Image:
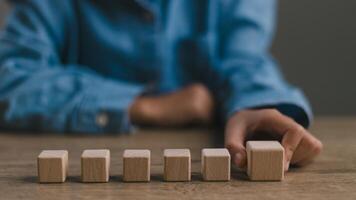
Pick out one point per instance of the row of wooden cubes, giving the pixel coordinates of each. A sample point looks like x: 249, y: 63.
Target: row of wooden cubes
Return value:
x: 95, y: 164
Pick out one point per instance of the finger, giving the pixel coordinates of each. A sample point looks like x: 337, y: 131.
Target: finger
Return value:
x: 291, y: 132
x: 301, y: 153
x: 234, y: 141
x: 290, y: 143
x: 307, y: 150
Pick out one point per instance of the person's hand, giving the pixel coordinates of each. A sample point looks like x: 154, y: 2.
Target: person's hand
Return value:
x: 190, y: 105
x: 300, y: 146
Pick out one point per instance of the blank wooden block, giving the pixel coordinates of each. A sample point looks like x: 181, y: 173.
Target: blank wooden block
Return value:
x: 265, y: 160
x: 136, y: 165
x: 52, y: 166
x: 95, y: 165
x: 177, y: 165
x: 216, y: 164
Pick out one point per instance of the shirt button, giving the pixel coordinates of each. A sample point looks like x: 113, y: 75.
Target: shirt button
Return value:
x: 102, y: 119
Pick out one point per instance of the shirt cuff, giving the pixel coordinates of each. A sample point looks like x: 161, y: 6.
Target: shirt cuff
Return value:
x: 290, y: 102
x: 104, y: 113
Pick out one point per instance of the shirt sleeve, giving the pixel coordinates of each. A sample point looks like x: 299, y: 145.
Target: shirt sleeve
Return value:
x: 247, y: 75
x: 40, y: 93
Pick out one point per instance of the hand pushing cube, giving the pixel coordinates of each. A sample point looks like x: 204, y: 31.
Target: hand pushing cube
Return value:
x: 177, y: 165
x: 52, y: 166
x: 95, y: 165
x: 136, y: 165
x: 216, y: 164
x: 265, y: 160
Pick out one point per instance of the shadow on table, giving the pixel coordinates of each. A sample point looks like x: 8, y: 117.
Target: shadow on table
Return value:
x: 157, y: 178
x: 30, y: 179
x: 34, y: 179
x: 236, y: 174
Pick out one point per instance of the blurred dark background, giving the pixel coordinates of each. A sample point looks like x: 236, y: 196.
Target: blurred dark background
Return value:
x: 316, y: 47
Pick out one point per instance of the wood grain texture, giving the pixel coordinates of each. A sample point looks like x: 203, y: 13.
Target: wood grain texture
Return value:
x: 265, y: 160
x: 136, y: 165
x: 52, y: 166
x: 95, y: 165
x: 331, y: 176
x: 215, y: 164
x: 177, y: 165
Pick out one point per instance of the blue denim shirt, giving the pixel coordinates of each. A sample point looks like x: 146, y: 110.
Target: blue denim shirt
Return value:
x: 77, y: 65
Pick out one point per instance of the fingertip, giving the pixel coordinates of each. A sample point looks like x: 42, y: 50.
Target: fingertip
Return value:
x: 288, y: 154
x: 286, y: 166
x: 240, y: 160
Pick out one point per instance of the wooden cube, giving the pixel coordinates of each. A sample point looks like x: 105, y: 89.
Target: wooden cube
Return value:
x: 95, y: 165
x: 52, y: 166
x: 136, y: 165
x: 265, y: 160
x: 216, y: 164
x: 177, y: 165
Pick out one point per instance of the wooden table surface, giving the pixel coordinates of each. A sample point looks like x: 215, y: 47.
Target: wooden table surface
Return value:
x: 331, y: 176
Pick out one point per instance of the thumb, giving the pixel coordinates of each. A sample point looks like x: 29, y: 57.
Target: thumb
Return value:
x: 235, y: 141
